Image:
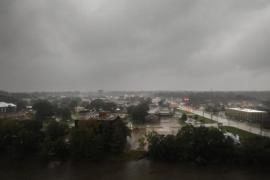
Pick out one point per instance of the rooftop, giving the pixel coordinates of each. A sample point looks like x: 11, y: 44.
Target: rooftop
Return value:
x: 247, y: 110
x: 3, y: 105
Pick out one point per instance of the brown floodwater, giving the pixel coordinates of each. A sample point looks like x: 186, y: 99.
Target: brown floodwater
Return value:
x: 111, y: 170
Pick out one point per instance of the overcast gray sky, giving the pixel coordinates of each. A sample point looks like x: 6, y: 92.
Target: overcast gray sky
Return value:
x: 134, y: 45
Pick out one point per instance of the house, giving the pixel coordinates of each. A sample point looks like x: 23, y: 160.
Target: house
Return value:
x: 103, y: 118
x: 165, y: 111
x: 7, y: 107
x: 152, y: 118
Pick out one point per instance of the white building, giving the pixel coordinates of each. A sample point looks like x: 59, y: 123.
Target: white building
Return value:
x: 246, y: 114
x: 7, y: 107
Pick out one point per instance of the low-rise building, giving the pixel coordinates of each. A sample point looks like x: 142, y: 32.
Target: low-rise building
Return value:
x: 7, y: 107
x: 245, y: 114
x: 165, y: 111
x: 152, y: 118
x: 101, y: 117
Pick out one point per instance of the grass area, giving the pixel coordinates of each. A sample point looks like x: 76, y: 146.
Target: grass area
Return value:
x: 201, y: 119
x: 182, y: 111
x: 241, y: 133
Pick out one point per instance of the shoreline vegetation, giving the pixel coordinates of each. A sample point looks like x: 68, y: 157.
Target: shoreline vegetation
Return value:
x: 96, y: 141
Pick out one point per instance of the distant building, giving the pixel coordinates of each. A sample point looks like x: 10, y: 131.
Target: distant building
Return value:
x: 29, y: 108
x: 152, y: 118
x: 102, y: 117
x: 153, y: 110
x: 165, y: 111
x: 80, y: 109
x: 7, y: 107
x: 245, y: 114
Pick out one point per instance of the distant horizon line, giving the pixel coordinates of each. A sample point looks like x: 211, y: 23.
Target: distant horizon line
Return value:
x: 95, y: 91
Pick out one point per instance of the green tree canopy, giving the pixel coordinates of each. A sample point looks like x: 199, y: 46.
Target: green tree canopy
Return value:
x: 99, y: 104
x: 44, y: 109
x: 54, y: 144
x: 139, y: 112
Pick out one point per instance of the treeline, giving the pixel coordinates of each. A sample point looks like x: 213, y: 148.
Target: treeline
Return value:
x: 205, y: 146
x: 55, y: 140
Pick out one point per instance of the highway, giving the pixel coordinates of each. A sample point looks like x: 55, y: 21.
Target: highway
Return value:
x: 255, y: 129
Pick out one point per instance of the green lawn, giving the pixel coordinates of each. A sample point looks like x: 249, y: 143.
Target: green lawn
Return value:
x: 200, y: 118
x: 242, y: 134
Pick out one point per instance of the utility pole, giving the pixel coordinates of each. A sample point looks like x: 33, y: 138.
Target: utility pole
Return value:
x: 261, y: 126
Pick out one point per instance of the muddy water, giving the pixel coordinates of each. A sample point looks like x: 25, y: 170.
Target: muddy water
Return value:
x: 166, y: 126
x: 142, y: 170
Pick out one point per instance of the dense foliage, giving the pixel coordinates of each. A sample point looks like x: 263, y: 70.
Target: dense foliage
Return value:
x: 139, y: 112
x: 19, y: 139
x: 184, y: 117
x: 55, y: 140
x: 54, y: 143
x: 44, y: 109
x: 207, y: 146
x: 97, y: 139
x: 99, y: 104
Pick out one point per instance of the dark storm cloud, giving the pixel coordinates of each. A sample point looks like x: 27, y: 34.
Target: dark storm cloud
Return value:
x: 124, y: 44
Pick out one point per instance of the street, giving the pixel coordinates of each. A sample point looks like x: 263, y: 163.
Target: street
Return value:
x: 253, y: 128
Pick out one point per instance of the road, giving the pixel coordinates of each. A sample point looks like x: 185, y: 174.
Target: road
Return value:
x: 255, y: 129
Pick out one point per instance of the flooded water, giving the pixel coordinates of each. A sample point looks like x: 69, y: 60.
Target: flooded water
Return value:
x: 142, y: 170
x: 167, y: 125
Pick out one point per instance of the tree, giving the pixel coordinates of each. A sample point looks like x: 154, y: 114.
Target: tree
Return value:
x: 184, y: 117
x: 99, y: 104
x: 162, y: 147
x: 204, y: 145
x: 96, y: 139
x: 54, y: 144
x: 139, y: 112
x: 70, y: 102
x: 199, y: 145
x: 118, y: 136
x: 20, y: 139
x: 87, y: 142
x: 63, y: 113
x: 256, y: 150
x: 44, y: 109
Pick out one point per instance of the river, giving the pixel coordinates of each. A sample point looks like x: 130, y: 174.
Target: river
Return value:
x: 122, y: 170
